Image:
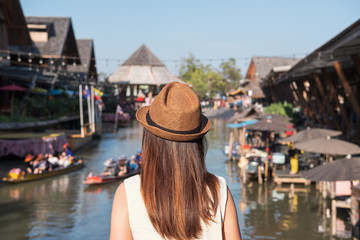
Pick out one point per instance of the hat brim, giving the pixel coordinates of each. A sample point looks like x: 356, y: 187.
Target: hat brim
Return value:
x: 205, y: 127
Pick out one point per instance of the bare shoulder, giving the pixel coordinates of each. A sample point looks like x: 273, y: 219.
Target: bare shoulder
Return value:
x: 120, y: 225
x: 231, y: 228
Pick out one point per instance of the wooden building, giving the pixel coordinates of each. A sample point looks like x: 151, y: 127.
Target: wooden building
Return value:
x: 258, y: 70
x: 42, y: 52
x: 326, y: 83
x: 87, y: 68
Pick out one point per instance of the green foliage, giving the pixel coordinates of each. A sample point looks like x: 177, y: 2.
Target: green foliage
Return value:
x: 4, y: 119
x: 231, y: 74
x: 284, y: 109
x: 207, y: 81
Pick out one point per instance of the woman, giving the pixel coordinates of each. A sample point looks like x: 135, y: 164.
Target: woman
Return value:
x: 174, y: 197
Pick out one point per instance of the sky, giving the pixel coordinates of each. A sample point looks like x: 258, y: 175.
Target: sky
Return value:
x: 212, y: 31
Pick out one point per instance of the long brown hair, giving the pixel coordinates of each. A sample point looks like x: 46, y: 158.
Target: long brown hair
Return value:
x: 177, y: 189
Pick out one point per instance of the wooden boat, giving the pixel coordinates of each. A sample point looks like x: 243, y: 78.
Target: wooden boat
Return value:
x: 96, y: 180
x: 33, y: 177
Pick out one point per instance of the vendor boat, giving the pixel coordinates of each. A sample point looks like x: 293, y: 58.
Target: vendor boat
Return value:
x: 102, y: 179
x: 32, y: 177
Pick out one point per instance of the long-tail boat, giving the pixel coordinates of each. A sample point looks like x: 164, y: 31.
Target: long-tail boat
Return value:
x: 58, y: 171
x: 100, y: 179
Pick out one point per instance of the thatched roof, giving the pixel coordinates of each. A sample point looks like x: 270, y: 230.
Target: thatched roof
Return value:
x: 143, y: 68
x: 143, y: 56
x: 254, y: 87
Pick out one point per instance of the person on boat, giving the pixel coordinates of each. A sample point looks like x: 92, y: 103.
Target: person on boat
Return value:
x: 175, y: 197
x: 53, y: 160
x: 139, y: 157
x: 63, y: 160
x: 120, y: 169
x: 132, y: 164
x: 29, y: 159
x: 109, y: 167
x: 39, y: 164
x: 68, y: 150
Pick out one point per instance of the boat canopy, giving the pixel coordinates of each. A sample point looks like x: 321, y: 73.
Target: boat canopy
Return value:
x: 21, y: 144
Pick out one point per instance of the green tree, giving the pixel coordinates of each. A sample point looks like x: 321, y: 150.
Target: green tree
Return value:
x: 205, y: 80
x: 231, y: 74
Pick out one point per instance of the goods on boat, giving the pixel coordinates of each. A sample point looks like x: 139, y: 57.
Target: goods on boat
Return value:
x: 31, y: 177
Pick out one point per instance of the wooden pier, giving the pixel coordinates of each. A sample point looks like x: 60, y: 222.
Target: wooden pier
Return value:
x: 283, y: 176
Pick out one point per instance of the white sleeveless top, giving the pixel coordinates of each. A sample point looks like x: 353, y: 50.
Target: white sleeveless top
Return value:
x: 140, y: 223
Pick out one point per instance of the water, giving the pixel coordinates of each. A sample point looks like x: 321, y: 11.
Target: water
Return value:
x: 63, y: 208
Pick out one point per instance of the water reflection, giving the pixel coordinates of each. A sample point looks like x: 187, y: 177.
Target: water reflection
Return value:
x: 63, y: 208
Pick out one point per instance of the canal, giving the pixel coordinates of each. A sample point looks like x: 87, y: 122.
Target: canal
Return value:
x: 63, y: 208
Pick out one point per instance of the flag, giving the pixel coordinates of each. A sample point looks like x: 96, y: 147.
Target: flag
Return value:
x: 98, y: 92
x: 86, y: 93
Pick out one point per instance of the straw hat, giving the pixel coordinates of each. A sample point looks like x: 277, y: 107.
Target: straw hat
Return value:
x: 175, y: 114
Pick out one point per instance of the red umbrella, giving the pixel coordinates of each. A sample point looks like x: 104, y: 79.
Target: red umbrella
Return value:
x: 12, y: 88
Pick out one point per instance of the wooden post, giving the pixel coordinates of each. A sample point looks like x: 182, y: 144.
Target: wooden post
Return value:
x: 231, y: 143
x: 89, y: 108
x: 244, y: 176
x: 324, y: 190
x: 334, y: 96
x: 325, y: 101
x: 333, y: 217
x: 296, y: 97
x: 320, y: 105
x: 260, y: 180
x: 292, y: 190
x: 267, y: 159
x: 116, y: 119
x: 92, y: 110
x: 347, y: 88
x: 81, y: 111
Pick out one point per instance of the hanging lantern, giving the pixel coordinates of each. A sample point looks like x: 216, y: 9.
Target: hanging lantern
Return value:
x: 40, y: 61
x: 51, y: 61
x: 19, y: 58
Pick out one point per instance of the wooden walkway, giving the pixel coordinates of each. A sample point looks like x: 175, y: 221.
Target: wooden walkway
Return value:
x: 283, y: 176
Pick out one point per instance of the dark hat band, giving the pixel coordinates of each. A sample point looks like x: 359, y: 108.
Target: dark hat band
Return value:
x: 153, y: 124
